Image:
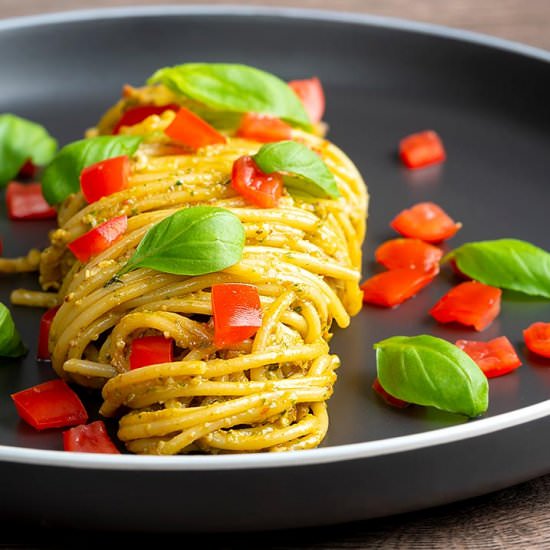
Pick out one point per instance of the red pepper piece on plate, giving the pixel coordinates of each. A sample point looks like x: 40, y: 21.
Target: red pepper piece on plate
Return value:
x: 191, y: 130
x: 237, y: 313
x: 43, y: 353
x: 150, y: 350
x: 495, y: 357
x: 135, y: 115
x: 311, y: 94
x: 469, y: 303
x: 89, y: 438
x: 51, y: 404
x: 25, y: 201
x: 408, y: 253
x: 263, y: 128
x: 421, y: 149
x: 255, y: 186
x: 537, y: 338
x: 105, y: 178
x: 390, y: 399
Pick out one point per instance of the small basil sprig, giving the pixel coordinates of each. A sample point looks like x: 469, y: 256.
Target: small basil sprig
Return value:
x: 234, y: 88
x: 193, y: 241
x: 505, y: 263
x: 62, y: 176
x: 10, y: 341
x: 304, y: 173
x: 426, y: 370
x: 21, y: 140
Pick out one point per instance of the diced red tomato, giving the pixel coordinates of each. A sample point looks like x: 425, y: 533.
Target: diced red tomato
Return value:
x: 495, y: 357
x: 28, y: 170
x: 393, y: 287
x: 43, y: 353
x: 255, y: 186
x: 421, y: 149
x: 51, y: 404
x: 150, y: 350
x: 425, y: 221
x: 390, y: 399
x: 89, y: 438
x: 135, y: 115
x: 105, y: 178
x: 191, y: 130
x: 311, y: 93
x: 537, y: 338
x: 26, y: 202
x: 263, y: 128
x: 408, y: 253
x: 237, y: 313
x: 469, y: 303
x: 99, y: 238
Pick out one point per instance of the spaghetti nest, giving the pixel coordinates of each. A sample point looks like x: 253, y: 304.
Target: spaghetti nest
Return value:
x: 267, y: 393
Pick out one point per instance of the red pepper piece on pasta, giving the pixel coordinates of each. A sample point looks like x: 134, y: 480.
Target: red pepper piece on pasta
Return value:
x: 150, y: 350
x: 99, y: 238
x: 495, y: 357
x: 135, y: 115
x: 237, y: 313
x: 425, y: 221
x: 263, y: 128
x: 421, y: 149
x: 89, y: 438
x: 255, y: 186
x: 393, y: 287
x: 43, y: 353
x: 51, y: 404
x: 105, y: 178
x: 25, y: 201
x: 311, y: 94
x: 390, y: 399
x: 469, y: 303
x: 191, y: 130
x: 537, y: 338
x: 408, y: 253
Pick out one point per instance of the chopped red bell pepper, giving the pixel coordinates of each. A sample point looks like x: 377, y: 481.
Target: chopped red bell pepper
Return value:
x: 26, y: 202
x: 393, y: 287
x: 237, y: 313
x: 390, y: 399
x: 255, y: 186
x: 150, y: 350
x: 311, y: 93
x: 495, y: 357
x: 89, y: 438
x: 421, y: 149
x: 191, y: 130
x: 408, y: 253
x: 469, y: 303
x: 43, y: 353
x: 99, y: 238
x: 537, y: 338
x: 28, y: 170
x: 425, y: 221
x: 104, y: 178
x: 263, y: 128
x: 51, y: 404
x: 135, y: 115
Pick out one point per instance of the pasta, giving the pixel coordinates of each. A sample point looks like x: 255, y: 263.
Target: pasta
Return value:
x: 266, y: 393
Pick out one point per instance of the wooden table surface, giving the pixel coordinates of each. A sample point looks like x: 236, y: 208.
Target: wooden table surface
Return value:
x: 517, y: 517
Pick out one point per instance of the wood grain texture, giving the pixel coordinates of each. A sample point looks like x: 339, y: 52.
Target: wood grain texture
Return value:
x: 518, y: 517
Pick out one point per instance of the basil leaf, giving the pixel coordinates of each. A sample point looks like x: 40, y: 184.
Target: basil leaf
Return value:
x: 430, y: 371
x: 506, y: 263
x: 21, y: 140
x: 62, y: 176
x: 234, y: 88
x: 193, y: 241
x: 10, y: 341
x: 305, y: 174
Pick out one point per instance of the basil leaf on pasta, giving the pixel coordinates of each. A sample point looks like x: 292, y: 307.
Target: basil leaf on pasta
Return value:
x: 305, y: 174
x: 506, y: 263
x: 426, y: 370
x: 10, y: 341
x: 61, y: 176
x: 193, y: 241
x: 21, y: 140
x: 234, y: 88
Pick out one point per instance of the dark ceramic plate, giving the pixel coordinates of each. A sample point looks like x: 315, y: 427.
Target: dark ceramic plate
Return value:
x: 384, y: 79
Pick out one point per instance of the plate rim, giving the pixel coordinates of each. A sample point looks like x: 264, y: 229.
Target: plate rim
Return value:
x: 336, y: 453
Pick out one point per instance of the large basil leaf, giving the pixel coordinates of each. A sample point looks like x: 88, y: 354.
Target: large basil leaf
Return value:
x: 10, y: 341
x: 426, y: 370
x: 305, y: 174
x: 193, y: 241
x: 62, y: 176
x: 21, y: 140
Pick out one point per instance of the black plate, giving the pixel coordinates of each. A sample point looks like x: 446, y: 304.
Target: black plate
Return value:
x: 383, y: 79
